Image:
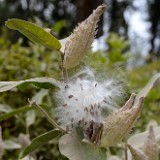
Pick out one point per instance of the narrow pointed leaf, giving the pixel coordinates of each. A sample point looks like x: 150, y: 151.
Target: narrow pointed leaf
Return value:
x: 144, y: 92
x: 42, y: 82
x: 39, y: 141
x: 14, y: 112
x: 33, y: 32
x: 73, y: 148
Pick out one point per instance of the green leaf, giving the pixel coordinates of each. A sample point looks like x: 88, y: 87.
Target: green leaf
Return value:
x: 39, y: 141
x: 39, y: 96
x: 144, y: 92
x: 138, y: 139
x: 5, y: 108
x: 73, y: 148
x: 31, y: 115
x: 10, y: 145
x: 14, y: 112
x: 33, y: 32
x: 42, y: 82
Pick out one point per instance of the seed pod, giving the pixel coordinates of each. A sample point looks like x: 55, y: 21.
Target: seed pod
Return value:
x: 137, y: 154
x: 79, y: 42
x: 118, y: 124
x: 150, y: 147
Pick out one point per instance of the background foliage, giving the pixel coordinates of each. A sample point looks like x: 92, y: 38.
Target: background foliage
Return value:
x: 35, y: 61
x: 22, y: 60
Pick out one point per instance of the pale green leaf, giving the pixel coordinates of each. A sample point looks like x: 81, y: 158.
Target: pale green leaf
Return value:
x: 30, y: 117
x: 33, y: 32
x: 10, y: 144
x: 114, y: 158
x: 63, y: 43
x: 39, y: 96
x: 43, y: 82
x: 39, y: 141
x: 138, y: 139
x: 144, y: 92
x: 14, y: 112
x: 28, y: 158
x: 73, y: 148
x: 5, y: 108
x: 1, y: 145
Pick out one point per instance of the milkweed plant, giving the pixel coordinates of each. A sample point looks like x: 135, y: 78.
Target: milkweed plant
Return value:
x: 88, y: 116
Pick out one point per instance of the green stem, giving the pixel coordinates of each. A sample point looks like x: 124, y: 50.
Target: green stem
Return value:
x: 48, y: 117
x: 125, y: 149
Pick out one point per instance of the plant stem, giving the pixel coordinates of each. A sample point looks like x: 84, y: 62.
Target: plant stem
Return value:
x: 65, y: 75
x: 64, y: 70
x: 48, y: 117
x: 125, y: 149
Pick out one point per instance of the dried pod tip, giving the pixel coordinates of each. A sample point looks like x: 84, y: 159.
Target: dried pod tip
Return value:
x: 79, y: 42
x: 118, y: 124
x: 150, y: 147
x: 136, y: 153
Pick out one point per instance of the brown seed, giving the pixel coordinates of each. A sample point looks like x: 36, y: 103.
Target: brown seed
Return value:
x: 72, y: 119
x: 92, y: 107
x: 81, y: 87
x: 86, y: 109
x: 79, y: 122
x: 70, y: 96
x: 110, y: 97
x: 65, y: 105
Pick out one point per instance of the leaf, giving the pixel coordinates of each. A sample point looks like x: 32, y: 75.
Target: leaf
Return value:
x: 1, y: 145
x: 30, y: 117
x: 138, y: 140
x: 28, y: 158
x: 5, y: 108
x: 10, y: 144
x: 63, y: 43
x: 74, y: 149
x: 39, y: 141
x: 14, y: 112
x: 144, y: 92
x: 39, y: 96
x: 114, y: 158
x: 42, y: 82
x: 33, y: 32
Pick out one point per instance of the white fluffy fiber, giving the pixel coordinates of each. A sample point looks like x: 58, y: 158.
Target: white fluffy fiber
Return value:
x: 84, y: 100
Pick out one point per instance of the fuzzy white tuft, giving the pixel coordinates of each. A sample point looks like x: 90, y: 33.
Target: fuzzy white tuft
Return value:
x: 85, y: 99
